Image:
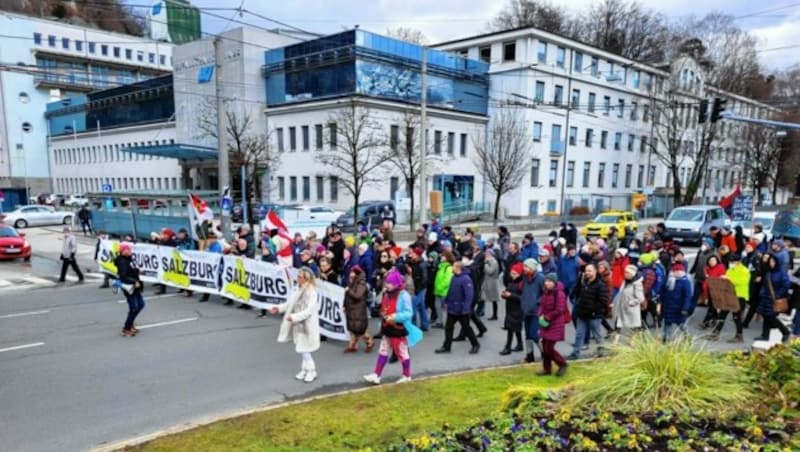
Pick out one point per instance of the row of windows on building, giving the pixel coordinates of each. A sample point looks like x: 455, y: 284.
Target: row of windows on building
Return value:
x: 633, y: 112
x: 726, y: 178
x: 95, y: 184
x: 614, y: 71
x: 92, y: 48
x: 305, y: 187
x: 589, y: 138
x: 106, y: 153
x: 441, y: 141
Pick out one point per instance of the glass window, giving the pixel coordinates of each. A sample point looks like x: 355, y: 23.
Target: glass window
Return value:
x: 537, y: 131
x: 451, y: 143
x: 91, y: 47
x: 79, y: 45
x: 292, y: 139
x: 561, y: 56
x: 65, y: 43
x: 628, y: 175
x: 555, y: 137
x: 320, y: 181
x: 587, y: 169
x: 573, y: 136
x: 333, y: 135
x: 541, y: 55
x: 281, y: 188
x: 535, y: 173
x: 539, y: 96
x: 486, y: 54
x: 279, y: 138
x: 51, y: 40
x: 615, y: 175
x: 37, y: 38
x: 601, y: 175
x: 320, y: 139
x: 306, y: 188
x: 104, y: 49
x: 595, y: 66
x: 634, y: 111
x: 592, y: 97
x: 151, y: 58
x: 578, y: 64
x: 394, y: 137
x: 394, y: 186
x: 334, y: 188
x: 162, y: 59
x: 570, y: 173
x: 558, y: 95
x: 128, y: 54
x: 617, y: 141
x: 552, y: 177
x: 606, y: 105
x: 116, y: 52
x: 293, y: 188
x: 631, y: 142
x: 645, y: 113
x: 651, y: 178
x: 463, y: 145
x: 410, y: 139
x: 139, y: 56
x: 621, y: 108
x: 640, y: 176
x: 636, y: 77
x: 551, y: 205
x: 509, y: 51
x: 437, y: 142
x: 643, y: 143
x: 576, y: 98
x: 304, y: 131
x: 589, y: 137
x: 603, y: 139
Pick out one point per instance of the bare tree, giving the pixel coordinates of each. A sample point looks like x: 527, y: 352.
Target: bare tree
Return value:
x: 405, y: 155
x: 408, y: 34
x: 762, y: 157
x: 247, y: 147
x: 502, y: 156
x: 531, y: 13
x: 356, y: 149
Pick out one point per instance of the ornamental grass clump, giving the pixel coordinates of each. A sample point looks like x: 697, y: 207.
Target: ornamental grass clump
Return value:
x: 648, y: 375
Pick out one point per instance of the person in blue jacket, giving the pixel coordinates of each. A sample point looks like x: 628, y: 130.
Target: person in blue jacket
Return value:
x: 532, y: 288
x: 776, y: 285
x: 458, y: 305
x: 530, y: 249
x: 676, y: 301
x: 568, y: 267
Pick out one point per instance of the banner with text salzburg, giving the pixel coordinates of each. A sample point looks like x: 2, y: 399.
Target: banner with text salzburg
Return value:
x: 259, y: 284
x: 145, y: 257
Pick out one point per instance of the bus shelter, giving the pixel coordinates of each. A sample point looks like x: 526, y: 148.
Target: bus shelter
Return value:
x: 141, y: 212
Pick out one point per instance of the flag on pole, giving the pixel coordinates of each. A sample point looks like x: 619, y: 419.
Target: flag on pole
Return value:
x: 199, y: 213
x: 727, y: 202
x: 282, y: 240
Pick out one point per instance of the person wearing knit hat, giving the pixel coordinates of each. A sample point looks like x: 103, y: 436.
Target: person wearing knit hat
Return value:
x: 131, y: 285
x: 676, y: 301
x: 532, y: 287
x: 514, y: 317
x: 551, y: 277
x: 552, y: 313
x: 396, y: 313
x: 530, y: 263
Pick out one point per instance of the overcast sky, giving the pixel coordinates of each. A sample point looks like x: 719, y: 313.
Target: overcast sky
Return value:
x: 775, y: 22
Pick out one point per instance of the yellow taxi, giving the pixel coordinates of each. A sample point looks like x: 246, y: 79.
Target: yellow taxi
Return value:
x: 621, y: 220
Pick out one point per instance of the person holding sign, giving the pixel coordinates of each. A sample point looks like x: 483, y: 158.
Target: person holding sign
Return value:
x: 301, y: 323
x: 128, y: 275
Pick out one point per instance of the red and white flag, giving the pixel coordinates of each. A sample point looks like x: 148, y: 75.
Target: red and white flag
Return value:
x: 198, y: 212
x: 283, y: 240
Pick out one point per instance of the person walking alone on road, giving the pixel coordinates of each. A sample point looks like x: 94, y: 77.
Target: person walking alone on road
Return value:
x: 301, y: 323
x: 128, y: 275
x: 85, y: 217
x: 69, y: 250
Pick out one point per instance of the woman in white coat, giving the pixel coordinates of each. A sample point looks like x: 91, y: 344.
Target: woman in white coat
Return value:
x: 629, y: 301
x: 301, y: 322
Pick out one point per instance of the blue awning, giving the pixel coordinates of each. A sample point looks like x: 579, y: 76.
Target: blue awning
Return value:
x: 176, y: 151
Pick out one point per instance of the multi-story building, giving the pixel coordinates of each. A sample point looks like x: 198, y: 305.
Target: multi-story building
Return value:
x: 598, y: 121
x: 42, y: 61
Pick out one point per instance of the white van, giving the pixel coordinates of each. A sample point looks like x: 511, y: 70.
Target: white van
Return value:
x: 691, y: 223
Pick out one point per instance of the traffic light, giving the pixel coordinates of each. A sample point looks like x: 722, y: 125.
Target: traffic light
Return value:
x: 717, y: 109
x: 703, y: 116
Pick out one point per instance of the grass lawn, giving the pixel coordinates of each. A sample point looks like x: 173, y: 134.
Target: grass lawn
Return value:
x: 373, y: 418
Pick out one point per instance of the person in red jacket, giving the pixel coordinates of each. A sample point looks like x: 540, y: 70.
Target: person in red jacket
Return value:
x: 714, y: 269
x: 553, y: 314
x: 618, y: 265
x: 729, y: 240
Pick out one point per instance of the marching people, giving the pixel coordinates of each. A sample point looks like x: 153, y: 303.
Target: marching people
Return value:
x: 739, y: 276
x: 590, y: 309
x: 775, y: 287
x: 128, y: 276
x: 676, y: 301
x: 629, y: 302
x: 458, y: 305
x: 69, y: 251
x: 714, y: 269
x: 444, y: 275
x: 396, y: 311
x: 355, y: 309
x: 101, y: 235
x: 300, y: 323
x: 514, y: 317
x: 553, y: 312
x: 532, y: 286
x: 419, y: 273
x: 490, y: 290
x: 213, y: 246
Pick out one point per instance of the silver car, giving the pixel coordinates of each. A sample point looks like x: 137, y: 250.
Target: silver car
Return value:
x: 26, y: 216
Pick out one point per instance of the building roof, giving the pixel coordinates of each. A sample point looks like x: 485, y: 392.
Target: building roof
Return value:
x: 176, y: 151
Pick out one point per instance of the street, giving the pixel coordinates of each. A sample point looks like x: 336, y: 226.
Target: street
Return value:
x: 71, y: 382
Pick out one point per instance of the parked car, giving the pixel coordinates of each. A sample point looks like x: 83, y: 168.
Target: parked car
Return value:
x: 57, y: 199
x: 691, y: 223
x: 26, y: 216
x: 369, y: 212
x: 765, y: 219
x: 76, y: 201
x: 13, y: 244
x: 311, y: 213
x: 601, y: 224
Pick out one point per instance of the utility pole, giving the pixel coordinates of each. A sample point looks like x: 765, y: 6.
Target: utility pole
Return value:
x: 223, y: 167
x: 566, y: 137
x: 424, y: 138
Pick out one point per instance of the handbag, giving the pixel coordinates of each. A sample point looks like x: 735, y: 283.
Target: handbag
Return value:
x: 779, y: 305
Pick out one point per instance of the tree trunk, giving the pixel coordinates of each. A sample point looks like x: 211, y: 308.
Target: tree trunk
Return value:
x: 355, y: 210
x: 758, y: 194
x: 410, y: 188
x: 775, y: 191
x: 496, y: 206
x: 676, y: 190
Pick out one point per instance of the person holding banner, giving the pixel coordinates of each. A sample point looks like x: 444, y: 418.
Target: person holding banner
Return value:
x: 128, y: 275
x: 301, y: 323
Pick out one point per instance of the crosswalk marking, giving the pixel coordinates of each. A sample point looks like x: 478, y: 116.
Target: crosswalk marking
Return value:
x: 4, y: 283
x: 31, y: 281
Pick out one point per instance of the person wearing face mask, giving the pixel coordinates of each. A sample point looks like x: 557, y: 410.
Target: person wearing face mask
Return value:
x: 676, y: 301
x: 698, y: 270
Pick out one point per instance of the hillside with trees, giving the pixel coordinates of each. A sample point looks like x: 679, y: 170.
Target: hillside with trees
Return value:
x: 108, y: 15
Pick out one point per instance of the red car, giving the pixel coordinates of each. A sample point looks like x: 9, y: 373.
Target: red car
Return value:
x: 13, y: 244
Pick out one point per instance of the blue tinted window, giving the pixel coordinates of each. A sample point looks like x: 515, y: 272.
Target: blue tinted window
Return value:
x: 51, y: 41
x: 37, y: 38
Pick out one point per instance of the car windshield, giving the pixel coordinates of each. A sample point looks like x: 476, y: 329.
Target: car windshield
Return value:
x: 686, y: 215
x: 349, y: 212
x: 607, y: 219
x: 8, y: 232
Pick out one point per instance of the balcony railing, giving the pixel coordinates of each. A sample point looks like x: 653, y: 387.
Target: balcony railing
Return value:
x: 77, y: 81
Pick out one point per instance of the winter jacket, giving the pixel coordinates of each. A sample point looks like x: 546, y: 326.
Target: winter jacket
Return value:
x: 355, y: 305
x: 730, y: 241
x: 303, y: 328
x: 628, y: 304
x: 127, y: 271
x: 477, y: 275
x: 553, y: 307
x: 297, y: 248
x: 460, y: 295
x: 739, y: 275
x: 185, y: 244
x: 514, y: 315
x: 676, y: 300
x: 593, y: 299
x: 532, y: 288
x: 419, y: 273
x: 648, y: 281
x: 782, y: 256
x: 402, y: 312
x: 444, y: 275
x: 568, y: 272
x: 490, y: 288
x: 698, y: 268
x: 549, y: 267
x: 661, y: 279
x: 365, y: 262
x: 780, y: 286
x: 530, y: 251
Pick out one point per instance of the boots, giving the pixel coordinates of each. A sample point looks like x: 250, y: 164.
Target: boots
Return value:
x: 529, y: 358
x: 494, y: 311
x: 506, y: 351
x: 736, y: 339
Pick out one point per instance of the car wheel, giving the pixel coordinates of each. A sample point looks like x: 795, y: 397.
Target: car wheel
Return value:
x: 20, y: 224
x: 66, y: 220
x: 27, y: 259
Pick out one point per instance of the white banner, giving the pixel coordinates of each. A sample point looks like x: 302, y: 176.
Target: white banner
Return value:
x: 332, y: 320
x: 145, y: 257
x: 259, y: 284
x: 197, y: 271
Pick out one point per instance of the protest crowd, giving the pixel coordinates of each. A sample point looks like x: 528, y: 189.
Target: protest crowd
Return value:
x: 456, y: 281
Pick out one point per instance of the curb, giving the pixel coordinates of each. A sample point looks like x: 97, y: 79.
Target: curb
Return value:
x: 139, y: 440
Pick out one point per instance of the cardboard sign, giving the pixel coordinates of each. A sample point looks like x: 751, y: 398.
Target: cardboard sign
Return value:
x: 723, y: 294
x: 743, y: 208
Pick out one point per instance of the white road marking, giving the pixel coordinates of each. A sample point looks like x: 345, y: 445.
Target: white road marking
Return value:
x: 37, y: 280
x: 5, y: 283
x: 22, y: 314
x: 173, y: 322
x: 20, y: 347
x: 154, y: 297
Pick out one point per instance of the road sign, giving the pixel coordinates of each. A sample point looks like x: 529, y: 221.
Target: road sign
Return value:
x: 227, y: 203
x: 107, y: 188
